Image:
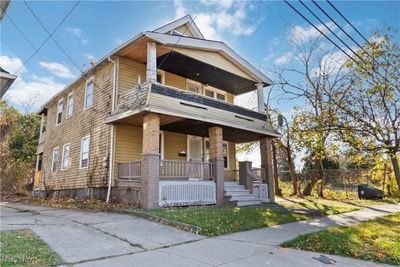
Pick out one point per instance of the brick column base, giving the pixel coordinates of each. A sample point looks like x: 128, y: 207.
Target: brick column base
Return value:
x: 149, y: 191
x: 219, y: 180
x: 244, y: 179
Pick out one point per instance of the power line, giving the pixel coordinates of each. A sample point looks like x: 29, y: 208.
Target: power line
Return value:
x: 340, y: 27
x: 51, y: 36
x: 333, y: 6
x: 331, y: 31
x: 45, y: 41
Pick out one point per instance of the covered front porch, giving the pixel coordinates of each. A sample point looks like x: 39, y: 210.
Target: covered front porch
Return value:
x: 175, y: 161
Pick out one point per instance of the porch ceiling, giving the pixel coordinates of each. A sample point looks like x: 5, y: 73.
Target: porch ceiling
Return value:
x: 202, y: 72
x: 194, y: 127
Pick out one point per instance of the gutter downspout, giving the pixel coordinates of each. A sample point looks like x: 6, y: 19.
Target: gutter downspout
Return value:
x: 111, y: 159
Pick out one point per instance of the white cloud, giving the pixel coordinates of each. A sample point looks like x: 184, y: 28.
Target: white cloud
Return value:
x: 227, y: 16
x: 78, y: 33
x: 180, y: 10
x: 283, y: 59
x: 300, y: 33
x: 28, y: 89
x: 57, y: 69
x: 12, y: 64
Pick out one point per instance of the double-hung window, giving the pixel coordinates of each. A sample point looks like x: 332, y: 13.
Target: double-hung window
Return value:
x: 60, y: 107
x: 89, y: 93
x: 65, y: 157
x: 70, y: 104
x: 54, y: 162
x: 84, y: 158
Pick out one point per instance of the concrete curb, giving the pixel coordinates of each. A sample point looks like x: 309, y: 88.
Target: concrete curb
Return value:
x: 183, y: 226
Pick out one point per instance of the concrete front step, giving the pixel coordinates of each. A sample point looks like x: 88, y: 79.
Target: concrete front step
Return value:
x: 237, y: 193
x: 248, y: 203
x: 248, y: 197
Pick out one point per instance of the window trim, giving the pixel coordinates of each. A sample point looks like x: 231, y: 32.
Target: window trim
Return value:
x: 53, y: 159
x: 63, y: 156
x: 80, y: 153
x: 72, y: 106
x: 91, y: 79
x: 62, y: 110
x: 188, y: 81
x: 206, y: 139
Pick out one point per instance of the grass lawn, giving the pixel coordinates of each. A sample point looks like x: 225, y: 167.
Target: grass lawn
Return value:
x: 218, y: 221
x: 24, y: 248
x: 377, y: 240
x: 325, y: 208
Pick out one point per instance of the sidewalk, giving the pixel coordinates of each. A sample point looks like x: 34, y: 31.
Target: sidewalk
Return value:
x: 106, y: 239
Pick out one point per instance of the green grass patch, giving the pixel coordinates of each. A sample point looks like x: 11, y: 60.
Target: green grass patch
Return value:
x: 324, y: 207
x: 215, y: 221
x: 24, y: 248
x: 376, y: 240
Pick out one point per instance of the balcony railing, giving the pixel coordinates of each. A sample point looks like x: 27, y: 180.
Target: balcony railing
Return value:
x: 169, y: 169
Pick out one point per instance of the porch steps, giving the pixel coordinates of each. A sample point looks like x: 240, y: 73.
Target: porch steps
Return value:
x: 237, y: 195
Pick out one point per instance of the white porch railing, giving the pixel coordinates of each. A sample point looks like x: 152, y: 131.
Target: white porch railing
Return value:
x: 175, y: 169
x: 185, y: 193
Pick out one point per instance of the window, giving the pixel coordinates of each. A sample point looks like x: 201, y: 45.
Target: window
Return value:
x: 89, y: 93
x: 209, y: 93
x: 214, y: 93
x: 161, y: 145
x: 225, y: 152
x: 60, y: 107
x: 194, y: 87
x: 65, y: 157
x: 220, y: 96
x: 70, y: 104
x: 161, y: 76
x: 54, y: 162
x: 84, y: 159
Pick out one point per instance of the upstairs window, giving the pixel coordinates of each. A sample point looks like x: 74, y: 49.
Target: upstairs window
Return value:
x: 214, y: 93
x: 60, y: 107
x: 161, y: 76
x: 209, y: 93
x: 221, y: 97
x: 54, y: 162
x: 194, y: 87
x: 70, y: 104
x: 65, y: 157
x: 84, y: 159
x: 89, y: 94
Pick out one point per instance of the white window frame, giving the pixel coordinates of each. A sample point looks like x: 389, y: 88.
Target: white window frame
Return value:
x: 91, y: 79
x: 57, y: 112
x: 162, y: 144
x: 63, y: 168
x: 188, y: 81
x: 81, y: 154
x: 216, y: 91
x: 227, y: 152
x: 162, y: 74
x: 55, y: 160
x: 69, y: 105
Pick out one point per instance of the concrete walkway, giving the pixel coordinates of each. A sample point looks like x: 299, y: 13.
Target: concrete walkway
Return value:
x: 107, y: 239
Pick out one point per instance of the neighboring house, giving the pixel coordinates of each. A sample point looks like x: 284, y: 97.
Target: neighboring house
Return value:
x: 169, y: 140
x: 6, y: 79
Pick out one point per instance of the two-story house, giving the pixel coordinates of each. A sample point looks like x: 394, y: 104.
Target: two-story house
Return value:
x: 154, y: 123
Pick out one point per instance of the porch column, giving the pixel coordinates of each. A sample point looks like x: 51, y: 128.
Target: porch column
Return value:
x: 266, y: 164
x: 149, y: 192
x: 216, y: 156
x: 151, y: 67
x: 260, y: 97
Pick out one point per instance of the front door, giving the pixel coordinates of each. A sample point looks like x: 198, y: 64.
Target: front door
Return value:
x: 195, y: 149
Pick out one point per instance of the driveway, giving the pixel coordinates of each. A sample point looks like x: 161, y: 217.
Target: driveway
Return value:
x: 109, y: 239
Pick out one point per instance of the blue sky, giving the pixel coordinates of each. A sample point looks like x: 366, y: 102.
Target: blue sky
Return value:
x: 257, y: 30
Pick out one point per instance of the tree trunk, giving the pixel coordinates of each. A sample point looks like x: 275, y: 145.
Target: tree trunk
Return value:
x: 322, y: 173
x: 292, y: 173
x: 315, y: 176
x: 396, y: 168
x: 278, y: 191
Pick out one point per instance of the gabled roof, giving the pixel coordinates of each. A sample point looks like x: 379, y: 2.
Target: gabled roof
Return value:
x: 184, y: 21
